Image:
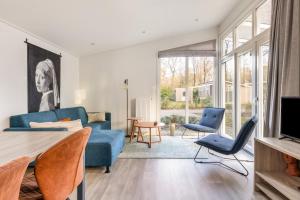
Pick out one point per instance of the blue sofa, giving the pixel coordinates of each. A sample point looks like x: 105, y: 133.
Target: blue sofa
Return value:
x: 103, y: 146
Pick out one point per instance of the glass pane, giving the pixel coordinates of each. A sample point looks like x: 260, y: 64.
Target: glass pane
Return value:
x: 244, y: 31
x: 228, y: 44
x: 229, y: 98
x: 263, y: 15
x: 245, y: 89
x: 264, y: 49
x: 201, y: 71
x: 172, y: 89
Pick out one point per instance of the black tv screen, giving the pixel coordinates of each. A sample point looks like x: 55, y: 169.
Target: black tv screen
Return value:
x: 290, y: 117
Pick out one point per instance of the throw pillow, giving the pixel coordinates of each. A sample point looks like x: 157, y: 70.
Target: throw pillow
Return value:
x: 65, y: 119
x: 96, y: 117
x: 72, y: 126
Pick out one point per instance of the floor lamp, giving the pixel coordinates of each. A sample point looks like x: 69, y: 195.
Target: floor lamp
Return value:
x: 126, y: 88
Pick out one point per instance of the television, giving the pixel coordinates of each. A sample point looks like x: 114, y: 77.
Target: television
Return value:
x: 290, y: 117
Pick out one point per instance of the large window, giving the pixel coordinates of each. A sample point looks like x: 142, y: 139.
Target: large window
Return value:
x: 200, y: 86
x: 186, y: 87
x: 172, y: 88
x: 244, y: 63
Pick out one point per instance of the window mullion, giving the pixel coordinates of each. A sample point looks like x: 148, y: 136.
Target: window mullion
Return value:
x: 187, y: 92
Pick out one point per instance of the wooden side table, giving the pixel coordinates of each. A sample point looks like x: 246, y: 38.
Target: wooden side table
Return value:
x: 150, y: 126
x: 133, y: 120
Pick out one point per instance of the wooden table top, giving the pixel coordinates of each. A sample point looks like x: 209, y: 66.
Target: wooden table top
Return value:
x: 14, y: 145
x: 148, y: 124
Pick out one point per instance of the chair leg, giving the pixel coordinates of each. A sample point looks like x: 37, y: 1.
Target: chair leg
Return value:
x: 199, y: 160
x: 196, y: 159
x: 183, y: 132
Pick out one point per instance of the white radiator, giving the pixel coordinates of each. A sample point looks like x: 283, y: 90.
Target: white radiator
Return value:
x: 143, y: 108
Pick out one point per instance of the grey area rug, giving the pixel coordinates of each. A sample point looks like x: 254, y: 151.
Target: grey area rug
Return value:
x: 171, y: 147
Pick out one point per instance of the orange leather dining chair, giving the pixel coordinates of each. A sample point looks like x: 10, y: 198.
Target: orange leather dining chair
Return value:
x: 58, y: 171
x: 11, y: 176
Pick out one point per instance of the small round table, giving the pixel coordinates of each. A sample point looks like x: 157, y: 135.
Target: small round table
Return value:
x: 133, y: 120
x: 149, y: 125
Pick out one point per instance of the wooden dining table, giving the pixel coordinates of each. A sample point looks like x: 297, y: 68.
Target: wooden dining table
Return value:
x: 14, y: 145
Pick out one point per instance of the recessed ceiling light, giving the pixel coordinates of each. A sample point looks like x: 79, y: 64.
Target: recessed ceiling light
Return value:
x: 92, y: 43
x: 143, y: 32
x: 196, y: 19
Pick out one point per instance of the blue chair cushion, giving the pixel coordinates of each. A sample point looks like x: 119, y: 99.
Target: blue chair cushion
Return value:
x: 212, y: 117
x: 106, y: 125
x: 217, y: 143
x: 200, y: 128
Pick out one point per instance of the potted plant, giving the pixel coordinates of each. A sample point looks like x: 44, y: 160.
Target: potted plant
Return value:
x: 172, y: 126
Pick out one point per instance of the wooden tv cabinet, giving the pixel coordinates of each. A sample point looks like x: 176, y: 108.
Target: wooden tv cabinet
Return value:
x: 270, y: 176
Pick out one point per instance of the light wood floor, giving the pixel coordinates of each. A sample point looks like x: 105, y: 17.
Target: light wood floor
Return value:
x: 164, y: 179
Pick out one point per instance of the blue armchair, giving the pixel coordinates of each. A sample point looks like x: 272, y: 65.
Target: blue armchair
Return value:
x: 227, y: 146
x: 209, y: 123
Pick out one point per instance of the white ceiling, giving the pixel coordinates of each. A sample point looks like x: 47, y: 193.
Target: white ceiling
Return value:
x: 112, y: 24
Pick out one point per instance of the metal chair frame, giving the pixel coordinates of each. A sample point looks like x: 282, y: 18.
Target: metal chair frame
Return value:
x: 185, y: 129
x: 220, y: 163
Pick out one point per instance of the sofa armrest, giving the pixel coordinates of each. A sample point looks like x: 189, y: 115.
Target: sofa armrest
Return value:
x: 35, y: 129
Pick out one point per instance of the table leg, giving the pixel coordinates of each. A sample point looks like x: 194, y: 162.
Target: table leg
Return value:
x: 132, y: 130
x: 81, y: 186
x: 150, y: 137
x: 158, y: 128
x: 139, y: 135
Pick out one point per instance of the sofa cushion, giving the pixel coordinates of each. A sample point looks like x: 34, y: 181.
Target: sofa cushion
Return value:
x: 72, y: 126
x: 96, y: 117
x: 73, y: 113
x: 99, y: 125
x: 104, y: 147
x: 24, y: 119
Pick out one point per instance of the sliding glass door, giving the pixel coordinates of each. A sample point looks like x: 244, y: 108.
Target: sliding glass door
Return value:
x: 186, y: 87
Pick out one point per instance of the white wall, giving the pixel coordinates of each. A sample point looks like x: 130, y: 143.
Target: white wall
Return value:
x: 13, y: 72
x: 102, y: 75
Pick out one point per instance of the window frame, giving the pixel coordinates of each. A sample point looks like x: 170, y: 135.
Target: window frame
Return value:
x: 252, y: 45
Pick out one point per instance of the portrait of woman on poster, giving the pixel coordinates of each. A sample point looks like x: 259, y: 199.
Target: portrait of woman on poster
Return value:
x: 46, y: 84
